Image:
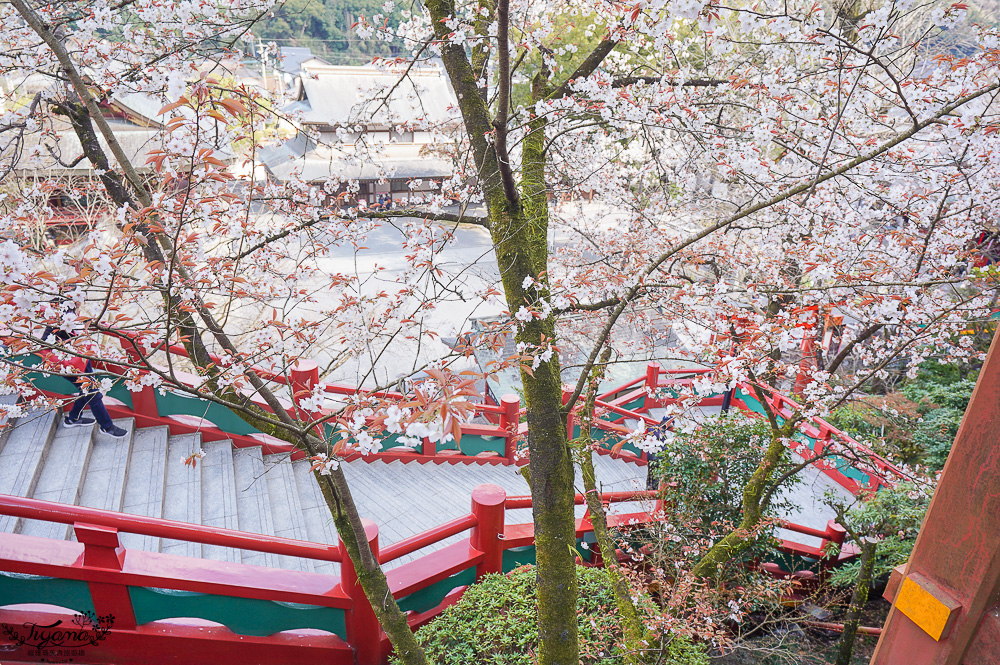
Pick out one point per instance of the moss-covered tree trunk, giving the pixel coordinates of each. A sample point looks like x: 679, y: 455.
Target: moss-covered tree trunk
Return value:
x: 858, y: 600
x: 518, y: 221
x: 634, y: 629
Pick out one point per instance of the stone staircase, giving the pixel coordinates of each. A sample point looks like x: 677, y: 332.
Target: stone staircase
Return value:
x: 241, y: 488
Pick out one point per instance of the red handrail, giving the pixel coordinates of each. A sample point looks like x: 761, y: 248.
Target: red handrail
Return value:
x: 624, y: 386
x: 805, y: 530
x: 876, y: 460
x: 625, y: 412
x: 421, y: 540
x: 50, y: 511
x: 514, y: 502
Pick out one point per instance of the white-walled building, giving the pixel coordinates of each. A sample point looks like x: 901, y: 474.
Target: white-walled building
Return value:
x: 382, y: 127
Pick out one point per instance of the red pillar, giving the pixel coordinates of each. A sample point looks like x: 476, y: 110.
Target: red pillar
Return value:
x: 509, y: 420
x: 363, y: 630
x: 834, y: 534
x: 101, y: 549
x: 803, y: 378
x: 488, y: 505
x: 946, y: 608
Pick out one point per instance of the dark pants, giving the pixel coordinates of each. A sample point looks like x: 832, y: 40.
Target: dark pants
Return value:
x: 94, y: 400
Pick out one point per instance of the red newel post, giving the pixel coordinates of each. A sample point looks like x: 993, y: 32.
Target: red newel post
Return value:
x: 571, y: 416
x: 509, y: 420
x: 304, y: 375
x: 834, y: 534
x: 144, y: 401
x: 652, y: 381
x: 101, y: 549
x: 488, y: 505
x: 363, y: 630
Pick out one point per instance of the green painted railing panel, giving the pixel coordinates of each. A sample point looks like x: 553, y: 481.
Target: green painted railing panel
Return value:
x: 171, y: 403
x: 52, y: 383
x: 244, y: 616
x: 391, y: 441
x: 516, y: 557
x: 16, y: 588
x: 473, y: 444
x: 49, y: 382
x: 121, y: 393
x: 791, y: 563
x: 843, y: 465
x: 635, y: 404
x: 62, y: 386
x: 751, y: 401
x: 586, y: 553
x: 430, y: 597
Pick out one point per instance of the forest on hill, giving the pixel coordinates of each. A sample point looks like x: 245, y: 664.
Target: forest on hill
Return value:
x: 325, y: 27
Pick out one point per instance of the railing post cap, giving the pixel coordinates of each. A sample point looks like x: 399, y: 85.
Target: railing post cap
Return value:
x: 371, y: 529
x: 305, y: 365
x: 489, y: 494
x: 95, y: 534
x: 510, y: 398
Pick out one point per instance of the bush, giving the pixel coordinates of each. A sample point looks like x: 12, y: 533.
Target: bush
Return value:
x: 495, y: 623
x: 705, y: 472
x: 917, y: 424
x: 893, y: 515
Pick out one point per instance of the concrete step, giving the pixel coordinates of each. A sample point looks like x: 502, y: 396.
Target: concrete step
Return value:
x: 286, y: 508
x: 182, y: 495
x: 218, y: 496
x: 22, y: 455
x: 319, y: 521
x: 104, y: 483
x: 145, y: 482
x: 61, y: 476
x: 252, y: 509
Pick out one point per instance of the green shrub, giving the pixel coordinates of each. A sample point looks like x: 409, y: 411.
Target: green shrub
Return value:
x: 495, y: 623
x: 682, y: 651
x: 917, y: 424
x: 893, y: 516
x: 705, y: 472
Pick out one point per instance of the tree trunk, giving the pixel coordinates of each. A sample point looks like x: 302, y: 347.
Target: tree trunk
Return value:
x: 636, y: 642
x: 519, y: 228
x: 858, y: 600
x: 370, y: 575
x: 634, y: 629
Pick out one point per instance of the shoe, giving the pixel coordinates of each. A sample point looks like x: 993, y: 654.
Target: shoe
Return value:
x: 79, y: 422
x: 115, y: 432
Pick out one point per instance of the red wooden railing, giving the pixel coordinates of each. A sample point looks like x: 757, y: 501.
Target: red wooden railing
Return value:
x: 99, y: 559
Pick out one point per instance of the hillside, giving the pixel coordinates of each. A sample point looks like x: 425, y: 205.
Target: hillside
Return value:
x: 325, y: 27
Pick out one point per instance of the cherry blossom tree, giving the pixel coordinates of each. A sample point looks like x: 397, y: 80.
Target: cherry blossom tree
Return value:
x: 725, y: 181
x: 747, y: 148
